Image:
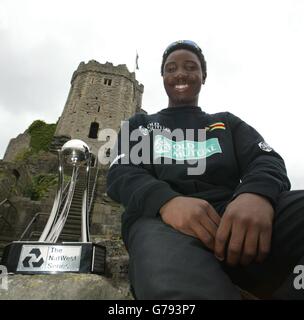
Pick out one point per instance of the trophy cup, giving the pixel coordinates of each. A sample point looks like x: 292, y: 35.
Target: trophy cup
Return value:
x: 46, y: 255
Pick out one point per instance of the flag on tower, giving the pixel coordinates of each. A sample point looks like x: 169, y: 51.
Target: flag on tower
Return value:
x: 136, y: 62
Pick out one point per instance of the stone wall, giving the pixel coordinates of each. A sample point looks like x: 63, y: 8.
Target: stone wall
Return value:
x: 105, y: 214
x: 19, y: 219
x: 14, y: 179
x: 15, y: 184
x: 16, y: 146
x: 66, y: 286
x: 42, y: 162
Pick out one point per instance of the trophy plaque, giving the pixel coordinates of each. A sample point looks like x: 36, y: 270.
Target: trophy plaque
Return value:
x: 47, y: 255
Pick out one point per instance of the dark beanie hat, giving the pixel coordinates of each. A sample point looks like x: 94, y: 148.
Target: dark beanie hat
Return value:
x: 188, y: 45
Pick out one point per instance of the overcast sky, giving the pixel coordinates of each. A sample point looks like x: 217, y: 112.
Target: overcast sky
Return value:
x: 254, y: 52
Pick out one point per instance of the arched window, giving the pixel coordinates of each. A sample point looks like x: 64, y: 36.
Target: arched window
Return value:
x: 93, y: 130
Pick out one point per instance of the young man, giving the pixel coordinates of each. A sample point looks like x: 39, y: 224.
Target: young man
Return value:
x: 196, y: 235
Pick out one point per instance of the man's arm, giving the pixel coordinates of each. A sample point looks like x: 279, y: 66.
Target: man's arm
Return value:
x: 262, y: 170
x: 246, y: 226
x: 134, y: 185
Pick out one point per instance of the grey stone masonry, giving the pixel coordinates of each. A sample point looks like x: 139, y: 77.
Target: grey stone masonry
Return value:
x: 101, y: 96
x: 66, y: 286
x: 16, y: 146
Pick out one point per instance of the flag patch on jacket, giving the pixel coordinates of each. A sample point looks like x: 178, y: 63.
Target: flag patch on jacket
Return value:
x: 216, y: 125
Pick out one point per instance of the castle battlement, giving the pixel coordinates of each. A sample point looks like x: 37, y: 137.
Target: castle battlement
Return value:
x: 107, y: 69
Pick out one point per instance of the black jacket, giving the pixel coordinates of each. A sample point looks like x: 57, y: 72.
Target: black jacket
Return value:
x: 237, y: 160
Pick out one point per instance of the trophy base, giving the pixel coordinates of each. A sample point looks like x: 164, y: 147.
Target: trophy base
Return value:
x: 33, y: 257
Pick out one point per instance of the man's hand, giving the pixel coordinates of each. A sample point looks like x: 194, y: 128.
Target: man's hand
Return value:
x: 192, y: 216
x: 245, y: 230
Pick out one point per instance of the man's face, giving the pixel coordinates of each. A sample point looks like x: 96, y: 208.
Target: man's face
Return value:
x: 182, y: 78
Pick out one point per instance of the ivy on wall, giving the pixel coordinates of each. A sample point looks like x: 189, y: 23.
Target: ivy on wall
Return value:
x: 41, y: 135
x: 41, y: 184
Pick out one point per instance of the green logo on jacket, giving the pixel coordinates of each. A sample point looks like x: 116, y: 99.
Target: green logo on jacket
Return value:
x: 185, y: 149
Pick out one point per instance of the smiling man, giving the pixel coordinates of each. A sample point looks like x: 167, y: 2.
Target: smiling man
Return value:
x: 183, y: 77
x: 196, y: 236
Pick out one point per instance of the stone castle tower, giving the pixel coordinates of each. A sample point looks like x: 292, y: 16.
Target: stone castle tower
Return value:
x: 101, y: 96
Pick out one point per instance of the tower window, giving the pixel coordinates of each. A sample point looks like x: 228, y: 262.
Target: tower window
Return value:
x: 108, y: 153
x: 93, y: 130
x: 108, y: 82
x: 98, y: 109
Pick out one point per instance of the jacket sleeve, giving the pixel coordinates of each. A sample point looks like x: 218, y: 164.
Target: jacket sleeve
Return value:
x: 134, y: 185
x: 262, y: 170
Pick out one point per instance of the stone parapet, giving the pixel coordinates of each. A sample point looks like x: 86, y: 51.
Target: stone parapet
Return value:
x: 67, y: 286
x: 107, y: 68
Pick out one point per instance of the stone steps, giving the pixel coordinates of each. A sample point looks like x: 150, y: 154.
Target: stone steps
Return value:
x: 72, y: 227
x: 63, y: 237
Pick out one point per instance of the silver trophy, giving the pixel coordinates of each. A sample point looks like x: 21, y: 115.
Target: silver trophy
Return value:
x: 47, y: 255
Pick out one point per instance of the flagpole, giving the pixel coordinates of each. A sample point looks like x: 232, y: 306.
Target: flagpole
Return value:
x: 136, y: 62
